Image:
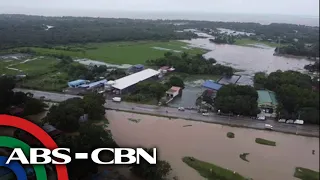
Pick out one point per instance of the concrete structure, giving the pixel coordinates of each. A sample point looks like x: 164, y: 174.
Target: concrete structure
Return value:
x: 77, y: 83
x: 173, y: 92
x: 94, y: 85
x: 267, y: 102
x: 209, y: 84
x: 123, y: 85
x: 229, y: 80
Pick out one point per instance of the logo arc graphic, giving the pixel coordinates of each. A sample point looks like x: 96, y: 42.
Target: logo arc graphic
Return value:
x: 37, y: 132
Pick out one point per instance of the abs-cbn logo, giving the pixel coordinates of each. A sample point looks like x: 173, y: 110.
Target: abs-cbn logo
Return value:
x: 46, y: 156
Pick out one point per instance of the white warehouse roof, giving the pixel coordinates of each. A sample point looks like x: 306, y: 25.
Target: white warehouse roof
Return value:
x: 132, y: 79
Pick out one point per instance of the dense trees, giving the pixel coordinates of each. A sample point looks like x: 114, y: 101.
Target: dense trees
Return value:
x: 175, y: 81
x: 151, y: 172
x: 9, y: 99
x: 315, y: 67
x: 300, y: 49
x: 295, y: 93
x: 147, y: 91
x: 66, y: 115
x: 192, y: 64
x: 23, y: 30
x: 239, y: 100
x: 223, y: 39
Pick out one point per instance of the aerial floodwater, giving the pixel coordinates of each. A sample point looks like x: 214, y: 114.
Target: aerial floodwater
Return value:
x: 208, y: 142
x: 249, y: 59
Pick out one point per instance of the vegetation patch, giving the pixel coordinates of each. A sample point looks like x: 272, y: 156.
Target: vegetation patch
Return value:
x: 306, y: 174
x: 243, y: 156
x: 211, y: 171
x: 230, y: 135
x: 265, y: 142
x: 134, y: 120
x: 248, y: 42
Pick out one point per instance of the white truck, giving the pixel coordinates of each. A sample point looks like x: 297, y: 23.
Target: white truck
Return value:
x: 116, y: 99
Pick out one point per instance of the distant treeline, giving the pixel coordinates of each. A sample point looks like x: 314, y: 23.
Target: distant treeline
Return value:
x: 23, y: 30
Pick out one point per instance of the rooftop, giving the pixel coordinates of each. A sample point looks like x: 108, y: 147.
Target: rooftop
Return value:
x: 267, y: 97
x: 77, y: 82
x: 211, y: 85
x: 174, y: 89
x: 93, y: 84
x: 132, y: 79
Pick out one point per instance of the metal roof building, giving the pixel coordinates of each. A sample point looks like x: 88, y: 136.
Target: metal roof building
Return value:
x: 77, y: 83
x: 135, y: 78
x: 211, y: 85
x: 267, y: 98
x: 94, y: 84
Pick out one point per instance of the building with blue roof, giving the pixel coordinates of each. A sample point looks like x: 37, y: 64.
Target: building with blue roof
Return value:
x: 212, y: 85
x: 77, y: 83
x: 93, y: 85
x: 137, y: 68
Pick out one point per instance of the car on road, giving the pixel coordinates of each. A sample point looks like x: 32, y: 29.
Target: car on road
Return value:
x: 298, y: 121
x: 205, y: 114
x: 290, y: 121
x: 116, y: 99
x: 268, y: 126
x: 282, y: 121
x: 262, y: 118
x: 181, y: 108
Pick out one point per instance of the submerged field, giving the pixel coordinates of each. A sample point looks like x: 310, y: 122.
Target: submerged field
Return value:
x: 122, y: 52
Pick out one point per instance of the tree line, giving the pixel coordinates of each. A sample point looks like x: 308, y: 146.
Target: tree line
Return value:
x: 24, y: 30
x: 237, y: 100
x: 296, y: 93
x: 192, y: 64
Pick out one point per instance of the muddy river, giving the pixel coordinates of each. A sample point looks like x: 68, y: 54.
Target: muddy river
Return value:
x: 208, y: 142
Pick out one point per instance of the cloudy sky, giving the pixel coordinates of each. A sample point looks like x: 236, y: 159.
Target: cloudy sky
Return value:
x: 287, y: 7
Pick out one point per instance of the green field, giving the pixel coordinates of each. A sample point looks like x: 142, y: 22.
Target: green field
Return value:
x: 211, y: 171
x: 249, y: 42
x: 265, y: 142
x: 120, y: 52
x: 306, y: 174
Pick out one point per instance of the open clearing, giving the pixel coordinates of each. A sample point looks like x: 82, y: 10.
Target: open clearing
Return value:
x: 121, y: 52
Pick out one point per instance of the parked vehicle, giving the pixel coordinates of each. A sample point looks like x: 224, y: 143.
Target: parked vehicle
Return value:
x: 298, y: 121
x: 181, y: 108
x: 262, y: 118
x: 205, y: 114
x: 290, y: 121
x: 268, y: 126
x: 116, y: 99
x: 282, y: 121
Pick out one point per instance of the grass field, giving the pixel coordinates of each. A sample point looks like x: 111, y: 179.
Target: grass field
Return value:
x: 211, y: 171
x: 247, y: 42
x: 38, y: 66
x: 306, y: 174
x: 121, y: 52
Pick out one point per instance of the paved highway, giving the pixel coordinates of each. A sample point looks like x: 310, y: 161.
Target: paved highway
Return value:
x: 308, y: 130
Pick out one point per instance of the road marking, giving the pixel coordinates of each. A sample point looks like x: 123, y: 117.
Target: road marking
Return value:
x: 81, y: 156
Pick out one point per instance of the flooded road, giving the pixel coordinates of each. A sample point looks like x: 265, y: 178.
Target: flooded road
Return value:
x: 249, y: 59
x: 208, y: 142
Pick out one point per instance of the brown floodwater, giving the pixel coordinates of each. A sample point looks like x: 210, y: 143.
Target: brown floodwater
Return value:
x: 208, y: 142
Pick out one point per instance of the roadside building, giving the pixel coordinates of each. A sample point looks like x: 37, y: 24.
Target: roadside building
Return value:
x: 209, y: 84
x: 126, y: 84
x: 95, y: 86
x: 77, y: 83
x: 137, y: 68
x: 267, y: 102
x: 173, y: 92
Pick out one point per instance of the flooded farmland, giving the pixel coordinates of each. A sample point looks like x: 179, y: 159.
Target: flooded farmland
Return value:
x: 208, y: 142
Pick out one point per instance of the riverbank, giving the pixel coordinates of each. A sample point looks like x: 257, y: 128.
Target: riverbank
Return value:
x: 238, y: 124
x: 177, y: 138
x: 174, y: 113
